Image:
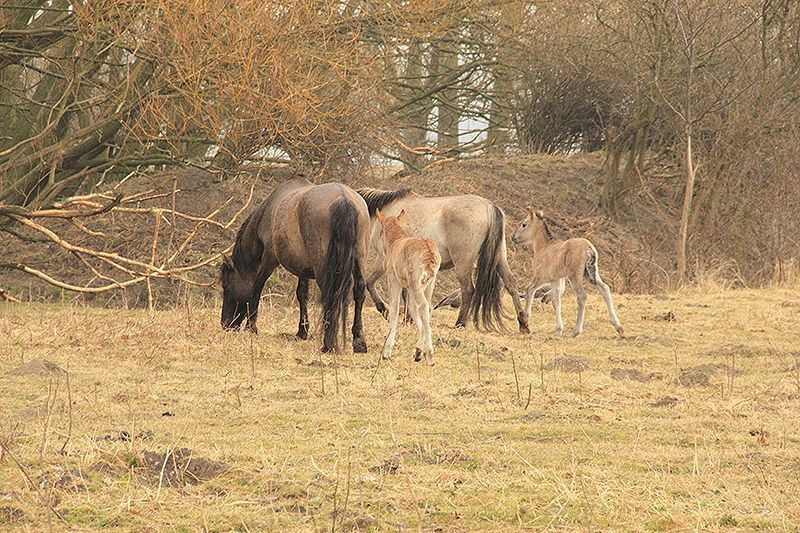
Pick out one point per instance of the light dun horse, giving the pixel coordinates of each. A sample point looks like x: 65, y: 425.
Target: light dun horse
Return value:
x: 410, y: 263
x: 466, y: 229
x: 553, y: 260
x: 314, y: 231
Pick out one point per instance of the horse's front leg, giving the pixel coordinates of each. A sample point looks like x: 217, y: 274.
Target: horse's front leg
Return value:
x: 302, y: 300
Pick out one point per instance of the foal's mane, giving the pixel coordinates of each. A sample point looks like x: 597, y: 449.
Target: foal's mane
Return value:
x: 546, y: 225
x: 377, y: 198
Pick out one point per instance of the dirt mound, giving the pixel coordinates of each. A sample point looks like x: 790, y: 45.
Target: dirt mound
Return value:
x: 634, y: 374
x: 699, y: 376
x: 39, y: 368
x: 178, y: 468
x: 569, y: 365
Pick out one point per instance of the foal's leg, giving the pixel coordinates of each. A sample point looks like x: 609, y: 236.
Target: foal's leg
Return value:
x: 580, y: 294
x: 359, y: 295
x: 302, y: 300
x: 556, y: 301
x: 424, y: 316
x: 394, y: 309
x: 412, y: 308
x: 605, y: 292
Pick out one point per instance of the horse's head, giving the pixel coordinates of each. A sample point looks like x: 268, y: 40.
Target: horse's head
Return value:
x: 529, y: 228
x: 237, y: 295
x: 391, y: 227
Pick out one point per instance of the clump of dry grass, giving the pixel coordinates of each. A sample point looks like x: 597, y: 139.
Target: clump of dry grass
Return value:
x: 168, y: 422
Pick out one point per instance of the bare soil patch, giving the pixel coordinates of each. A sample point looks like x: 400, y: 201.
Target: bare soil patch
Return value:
x: 634, y: 374
x: 178, y: 467
x: 568, y: 364
x: 699, y: 376
x: 665, y: 401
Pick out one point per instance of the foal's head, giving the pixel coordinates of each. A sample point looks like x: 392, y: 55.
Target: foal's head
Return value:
x: 237, y: 294
x: 391, y: 227
x: 532, y: 229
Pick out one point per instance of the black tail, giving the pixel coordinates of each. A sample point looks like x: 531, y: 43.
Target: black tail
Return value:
x: 591, y: 268
x: 486, y: 304
x: 336, y: 279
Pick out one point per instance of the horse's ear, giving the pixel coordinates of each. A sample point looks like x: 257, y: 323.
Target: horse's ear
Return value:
x: 380, y: 215
x: 540, y: 214
x: 228, y: 261
x: 402, y: 216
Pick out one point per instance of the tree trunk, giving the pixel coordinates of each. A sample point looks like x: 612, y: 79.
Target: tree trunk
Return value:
x: 687, y: 208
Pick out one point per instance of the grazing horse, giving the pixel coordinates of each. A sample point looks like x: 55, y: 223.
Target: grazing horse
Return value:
x: 466, y: 229
x: 554, y: 260
x: 410, y: 263
x: 315, y: 232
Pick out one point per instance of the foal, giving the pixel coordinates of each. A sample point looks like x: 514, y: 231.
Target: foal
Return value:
x: 553, y: 260
x: 410, y: 263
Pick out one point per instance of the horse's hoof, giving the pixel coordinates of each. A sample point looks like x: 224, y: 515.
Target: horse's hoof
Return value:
x: 621, y: 331
x: 302, y: 335
x: 359, y: 345
x: 460, y: 325
x: 417, y: 355
x: 524, y: 329
x: 574, y: 334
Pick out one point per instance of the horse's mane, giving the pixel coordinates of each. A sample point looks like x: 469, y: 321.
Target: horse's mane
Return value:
x: 546, y: 225
x: 377, y: 198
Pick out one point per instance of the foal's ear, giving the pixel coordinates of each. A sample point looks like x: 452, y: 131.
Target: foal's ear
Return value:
x: 539, y: 214
x: 402, y: 216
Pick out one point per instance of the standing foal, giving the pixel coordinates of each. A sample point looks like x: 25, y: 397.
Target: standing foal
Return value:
x: 553, y: 260
x: 410, y: 263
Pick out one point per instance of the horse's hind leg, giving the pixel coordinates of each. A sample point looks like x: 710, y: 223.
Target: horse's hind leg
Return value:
x: 359, y: 295
x: 371, y: 280
x: 464, y: 275
x: 302, y: 300
x: 605, y: 292
x: 580, y: 294
x: 511, y: 287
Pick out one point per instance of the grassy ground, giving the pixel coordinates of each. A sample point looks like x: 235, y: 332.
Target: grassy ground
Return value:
x: 689, y: 423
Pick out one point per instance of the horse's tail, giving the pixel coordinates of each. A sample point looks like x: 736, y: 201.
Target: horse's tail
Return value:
x: 486, y: 303
x: 336, y: 279
x: 590, y: 270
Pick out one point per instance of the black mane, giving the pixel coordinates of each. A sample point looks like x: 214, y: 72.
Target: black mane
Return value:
x: 547, y: 228
x: 377, y: 198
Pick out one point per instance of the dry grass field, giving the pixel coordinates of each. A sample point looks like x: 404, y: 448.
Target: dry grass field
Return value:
x: 164, y: 422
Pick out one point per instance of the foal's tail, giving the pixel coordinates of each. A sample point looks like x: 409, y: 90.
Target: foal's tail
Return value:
x: 486, y: 303
x: 336, y: 279
x: 590, y: 271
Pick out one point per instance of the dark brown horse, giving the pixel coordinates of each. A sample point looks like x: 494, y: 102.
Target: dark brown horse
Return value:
x: 315, y: 232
